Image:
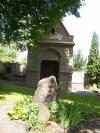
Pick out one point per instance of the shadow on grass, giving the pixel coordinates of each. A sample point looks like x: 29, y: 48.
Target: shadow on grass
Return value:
x: 9, y: 88
x: 2, y: 97
x: 90, y: 103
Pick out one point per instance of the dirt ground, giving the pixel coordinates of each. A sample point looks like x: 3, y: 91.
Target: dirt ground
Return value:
x: 90, y: 126
x: 7, y: 125
x: 17, y: 126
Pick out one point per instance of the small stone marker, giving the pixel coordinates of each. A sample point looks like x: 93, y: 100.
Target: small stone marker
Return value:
x: 46, y: 90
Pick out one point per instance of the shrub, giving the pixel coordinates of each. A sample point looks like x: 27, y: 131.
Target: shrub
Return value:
x: 67, y: 115
x: 71, y: 115
x: 28, y: 111
x: 54, y: 108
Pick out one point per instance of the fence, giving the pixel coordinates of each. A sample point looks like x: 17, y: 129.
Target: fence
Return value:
x: 78, y: 81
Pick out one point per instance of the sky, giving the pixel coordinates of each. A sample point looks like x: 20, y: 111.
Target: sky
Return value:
x: 82, y: 28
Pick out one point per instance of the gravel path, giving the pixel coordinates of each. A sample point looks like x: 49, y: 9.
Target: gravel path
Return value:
x: 7, y: 125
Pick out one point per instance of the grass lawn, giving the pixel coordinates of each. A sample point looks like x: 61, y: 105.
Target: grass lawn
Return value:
x: 12, y: 93
x: 90, y: 103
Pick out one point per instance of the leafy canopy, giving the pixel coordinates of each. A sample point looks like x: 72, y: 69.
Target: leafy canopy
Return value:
x: 8, y: 53
x: 27, y: 21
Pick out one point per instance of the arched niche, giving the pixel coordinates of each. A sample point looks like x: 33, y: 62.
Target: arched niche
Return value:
x: 50, y: 63
x: 50, y: 54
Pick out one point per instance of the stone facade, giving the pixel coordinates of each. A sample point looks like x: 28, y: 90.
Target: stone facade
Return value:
x: 13, y: 71
x: 53, y: 56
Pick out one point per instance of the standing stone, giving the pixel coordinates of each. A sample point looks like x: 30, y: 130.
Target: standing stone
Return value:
x: 46, y: 90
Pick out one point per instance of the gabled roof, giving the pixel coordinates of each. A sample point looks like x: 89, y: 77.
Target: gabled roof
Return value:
x: 60, y: 34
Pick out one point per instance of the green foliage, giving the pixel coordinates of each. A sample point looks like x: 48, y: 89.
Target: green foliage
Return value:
x: 26, y: 22
x: 98, y: 74
x: 8, y: 53
x: 93, y: 65
x: 28, y: 111
x: 71, y: 115
x: 98, y: 85
x: 19, y: 110
x: 67, y: 114
x: 91, y: 104
x: 79, y: 62
x: 54, y: 108
x: 12, y: 93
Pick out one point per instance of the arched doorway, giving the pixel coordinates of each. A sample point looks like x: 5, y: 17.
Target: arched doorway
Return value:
x: 49, y: 68
x: 8, y: 69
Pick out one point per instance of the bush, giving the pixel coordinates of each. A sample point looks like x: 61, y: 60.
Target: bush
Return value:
x: 67, y: 115
x: 54, y: 108
x: 28, y: 111
x: 63, y: 113
x: 71, y: 115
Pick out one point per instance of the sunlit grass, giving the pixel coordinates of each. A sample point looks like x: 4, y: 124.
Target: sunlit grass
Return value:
x: 91, y: 103
x: 13, y: 93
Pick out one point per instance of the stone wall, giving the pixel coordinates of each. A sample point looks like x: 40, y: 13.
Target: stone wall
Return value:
x: 12, y: 71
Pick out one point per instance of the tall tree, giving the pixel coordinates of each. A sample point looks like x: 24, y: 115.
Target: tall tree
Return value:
x: 98, y: 74
x: 27, y: 21
x: 79, y: 62
x: 8, y: 53
x: 93, y: 60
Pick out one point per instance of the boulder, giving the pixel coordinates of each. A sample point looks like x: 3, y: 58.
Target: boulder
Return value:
x: 46, y: 90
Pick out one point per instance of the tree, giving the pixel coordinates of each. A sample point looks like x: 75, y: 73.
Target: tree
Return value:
x: 79, y: 62
x: 27, y: 21
x: 8, y: 53
x: 93, y: 60
x: 98, y: 73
